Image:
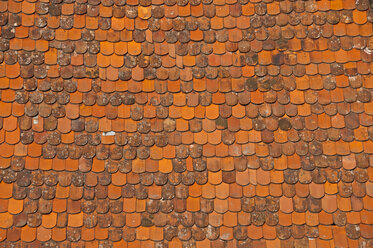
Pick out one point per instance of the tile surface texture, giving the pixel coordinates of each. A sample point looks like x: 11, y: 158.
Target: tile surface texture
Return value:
x: 186, y: 123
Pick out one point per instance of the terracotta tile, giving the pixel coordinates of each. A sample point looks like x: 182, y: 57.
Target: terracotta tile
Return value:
x: 329, y: 117
x: 316, y: 190
x: 101, y: 233
x: 212, y: 111
x: 286, y: 205
x: 7, y: 150
x: 165, y: 166
x: 193, y: 204
x: 15, y: 206
x: 6, y: 220
x: 364, y: 29
x: 312, y: 219
x: 329, y: 203
x: 114, y: 192
x: 14, y: 234
x: 12, y: 71
x: 215, y: 177
x: 142, y: 233
x: 59, y: 234
x: 208, y: 191
x: 325, y: 232
x: 265, y: 57
x: 3, y: 234
x: 359, y: 16
x: 156, y: 233
x: 102, y: 60
x: 226, y: 233
x: 221, y: 206
x: 222, y: 191
x: 28, y: 234
x: 87, y: 234
x: 254, y: 232
x: 3, y: 205
x: 133, y: 220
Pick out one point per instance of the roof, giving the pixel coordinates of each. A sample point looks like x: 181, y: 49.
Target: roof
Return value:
x: 176, y: 123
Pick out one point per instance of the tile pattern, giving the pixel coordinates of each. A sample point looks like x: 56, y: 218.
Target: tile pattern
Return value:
x: 176, y: 123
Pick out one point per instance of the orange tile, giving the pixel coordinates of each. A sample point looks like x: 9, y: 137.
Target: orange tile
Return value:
x: 221, y: 206
x: 119, y: 179
x: 120, y: 244
x: 329, y: 203
x: 242, y: 178
x: 28, y: 8
x: 49, y: 220
x: 120, y: 48
x: 107, y: 48
x: 43, y: 234
x: 12, y: 71
x: 269, y: 232
x: 16, y: 44
x: 265, y: 57
x: 117, y: 23
x: 22, y: 32
x: 114, y: 192
x: 285, y: 219
x: 6, y: 220
x: 360, y: 17
x: 196, y: 35
x: 244, y: 218
x: 366, y: 231
x: 239, y: 111
x: 101, y: 233
x: 7, y: 150
x: 248, y: 9
x: 134, y: 48
x: 28, y: 20
x: 286, y: 205
x: 215, y: 177
x: 212, y: 111
x: 88, y: 233
x: 226, y: 233
x: 12, y: 138
x: 129, y: 205
x: 222, y: 191
x: 59, y: 234
x: 10, y: 123
x: 165, y: 166
x: 15, y: 206
x: 142, y: 233
x: 133, y: 220
x: 3, y: 205
x: 329, y: 148
x: 28, y: 234
x: 98, y: 165
x: 193, y: 204
x: 144, y: 12
x: 254, y: 232
x: 201, y: 138
x: 312, y: 219
x: 263, y: 177
x: 102, y: 60
x: 273, y: 8
x: 299, y: 218
x: 156, y: 233
x: 184, y: 10
x: 208, y: 191
x: 64, y: 125
x: 325, y: 232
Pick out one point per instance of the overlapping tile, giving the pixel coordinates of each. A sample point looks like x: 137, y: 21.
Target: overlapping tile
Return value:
x: 186, y: 123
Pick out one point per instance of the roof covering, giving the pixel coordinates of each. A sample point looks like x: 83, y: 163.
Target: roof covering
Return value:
x: 186, y: 123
